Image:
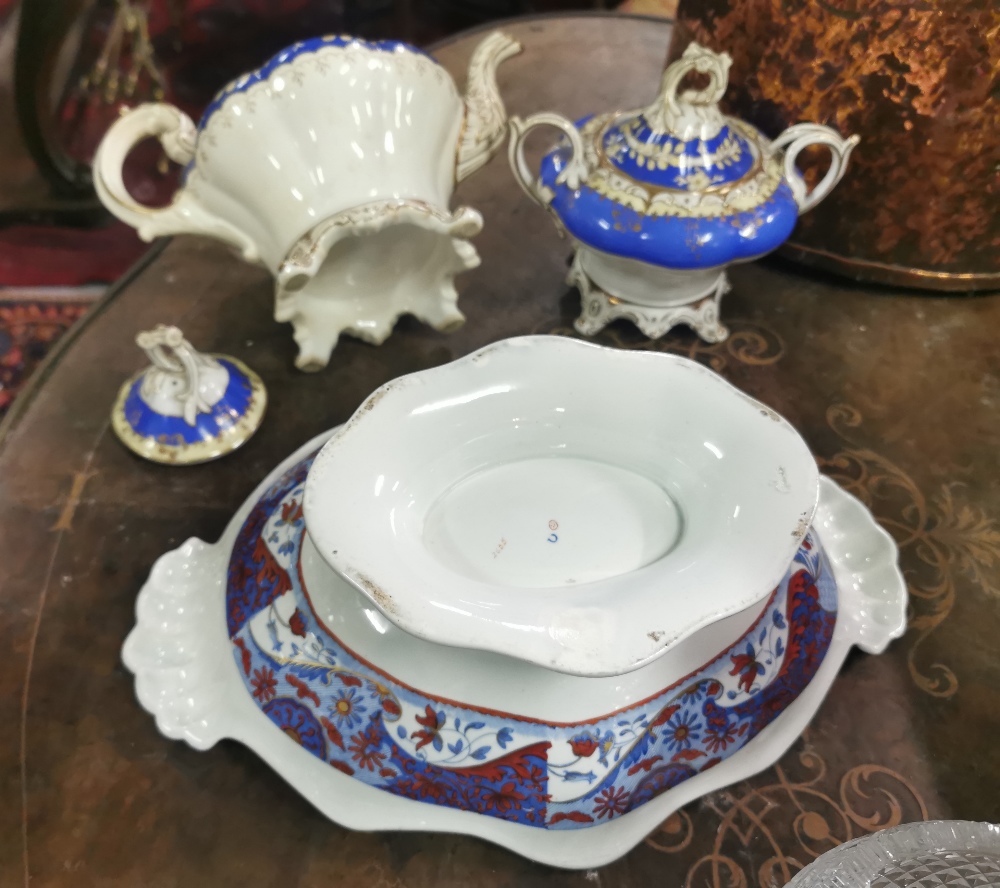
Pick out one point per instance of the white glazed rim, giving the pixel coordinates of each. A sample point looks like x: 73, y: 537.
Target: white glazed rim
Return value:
x: 377, y: 564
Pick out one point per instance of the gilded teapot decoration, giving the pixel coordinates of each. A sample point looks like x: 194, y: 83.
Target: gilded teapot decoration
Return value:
x: 332, y: 165
x: 659, y: 201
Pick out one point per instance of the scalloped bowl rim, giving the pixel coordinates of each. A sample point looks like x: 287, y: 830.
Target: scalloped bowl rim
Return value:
x: 728, y: 564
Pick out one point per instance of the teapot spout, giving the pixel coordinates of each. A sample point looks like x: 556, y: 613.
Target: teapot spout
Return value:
x: 485, y: 116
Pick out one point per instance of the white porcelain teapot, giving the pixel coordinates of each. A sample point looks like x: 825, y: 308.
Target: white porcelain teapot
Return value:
x: 333, y: 166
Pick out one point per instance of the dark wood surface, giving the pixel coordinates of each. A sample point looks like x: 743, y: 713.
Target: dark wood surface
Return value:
x: 897, y: 395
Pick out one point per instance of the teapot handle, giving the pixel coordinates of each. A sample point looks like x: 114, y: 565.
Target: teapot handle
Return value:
x: 575, y: 170
x: 800, y: 136
x: 184, y: 215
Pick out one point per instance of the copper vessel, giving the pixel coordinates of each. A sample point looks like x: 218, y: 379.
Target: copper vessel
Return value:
x: 920, y: 83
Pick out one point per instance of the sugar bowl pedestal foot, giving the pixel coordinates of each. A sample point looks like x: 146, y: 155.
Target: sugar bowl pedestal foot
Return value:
x: 599, y: 308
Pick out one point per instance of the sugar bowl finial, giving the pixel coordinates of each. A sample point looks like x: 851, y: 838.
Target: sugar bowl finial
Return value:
x: 691, y: 114
x: 186, y: 407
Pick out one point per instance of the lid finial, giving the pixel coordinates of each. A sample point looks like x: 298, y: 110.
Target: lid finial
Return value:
x: 693, y: 113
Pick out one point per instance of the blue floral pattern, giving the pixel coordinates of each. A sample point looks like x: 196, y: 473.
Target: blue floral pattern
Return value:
x: 387, y: 735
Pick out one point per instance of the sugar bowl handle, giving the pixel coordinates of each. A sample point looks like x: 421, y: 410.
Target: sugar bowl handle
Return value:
x: 184, y: 215
x: 802, y: 135
x: 572, y: 174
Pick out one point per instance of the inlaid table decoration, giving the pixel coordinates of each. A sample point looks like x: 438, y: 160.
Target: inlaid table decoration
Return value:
x: 895, y: 395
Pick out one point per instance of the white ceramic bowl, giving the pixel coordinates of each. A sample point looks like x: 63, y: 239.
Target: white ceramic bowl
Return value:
x: 577, y: 507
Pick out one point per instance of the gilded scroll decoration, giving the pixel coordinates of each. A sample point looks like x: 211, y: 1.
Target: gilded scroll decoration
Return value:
x: 940, y: 539
x: 756, y: 819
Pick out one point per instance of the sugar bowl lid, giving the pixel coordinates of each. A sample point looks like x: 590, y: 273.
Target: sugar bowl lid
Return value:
x: 682, y: 141
x: 186, y: 407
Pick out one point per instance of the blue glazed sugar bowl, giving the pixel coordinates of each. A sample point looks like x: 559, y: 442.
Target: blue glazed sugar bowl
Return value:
x: 659, y: 201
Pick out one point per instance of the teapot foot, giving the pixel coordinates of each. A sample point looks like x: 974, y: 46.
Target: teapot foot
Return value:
x: 359, y: 271
x: 600, y: 308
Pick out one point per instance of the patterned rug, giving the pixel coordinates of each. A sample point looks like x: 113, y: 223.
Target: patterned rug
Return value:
x: 30, y: 324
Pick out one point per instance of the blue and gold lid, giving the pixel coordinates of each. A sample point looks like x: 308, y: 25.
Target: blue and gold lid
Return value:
x: 682, y: 141
x: 187, y: 407
x: 662, y: 160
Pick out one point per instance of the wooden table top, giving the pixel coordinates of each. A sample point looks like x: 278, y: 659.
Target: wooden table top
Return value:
x: 897, y: 394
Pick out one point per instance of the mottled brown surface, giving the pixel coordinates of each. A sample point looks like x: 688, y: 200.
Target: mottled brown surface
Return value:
x: 920, y: 83
x: 897, y: 397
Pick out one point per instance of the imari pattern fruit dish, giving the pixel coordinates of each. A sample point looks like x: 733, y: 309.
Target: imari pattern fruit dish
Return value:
x: 298, y: 647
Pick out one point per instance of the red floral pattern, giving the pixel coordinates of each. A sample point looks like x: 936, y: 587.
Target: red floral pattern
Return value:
x: 404, y: 742
x: 364, y: 749
x: 297, y: 624
x: 264, y: 684
x: 611, y: 801
x: 583, y: 745
x: 747, y: 666
x: 431, y: 733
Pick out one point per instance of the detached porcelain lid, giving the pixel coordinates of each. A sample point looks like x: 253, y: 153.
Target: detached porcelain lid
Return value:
x: 187, y: 407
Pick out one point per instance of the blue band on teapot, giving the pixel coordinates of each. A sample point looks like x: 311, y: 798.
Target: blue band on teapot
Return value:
x: 290, y: 53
